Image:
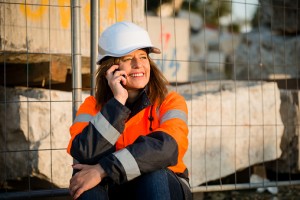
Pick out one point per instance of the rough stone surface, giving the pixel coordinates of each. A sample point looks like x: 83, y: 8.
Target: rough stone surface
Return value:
x: 233, y: 125
x: 34, y: 122
x: 289, y: 110
x: 208, y: 52
x: 281, y: 15
x: 263, y: 55
x: 36, y: 28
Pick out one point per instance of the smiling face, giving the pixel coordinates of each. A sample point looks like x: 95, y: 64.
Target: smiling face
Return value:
x: 137, y: 67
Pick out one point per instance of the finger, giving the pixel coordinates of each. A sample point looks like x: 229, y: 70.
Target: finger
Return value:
x: 123, y: 73
x: 78, y: 192
x: 123, y: 80
x: 78, y: 166
x: 75, y: 179
x: 112, y: 69
x: 72, y: 182
x: 72, y: 190
x: 120, y: 73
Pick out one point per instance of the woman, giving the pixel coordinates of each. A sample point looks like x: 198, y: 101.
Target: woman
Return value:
x: 131, y: 137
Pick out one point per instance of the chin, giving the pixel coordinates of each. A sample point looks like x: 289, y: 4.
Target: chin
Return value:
x: 136, y: 87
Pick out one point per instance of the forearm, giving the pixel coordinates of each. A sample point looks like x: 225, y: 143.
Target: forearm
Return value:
x: 148, y: 153
x: 98, y: 138
x: 89, y: 146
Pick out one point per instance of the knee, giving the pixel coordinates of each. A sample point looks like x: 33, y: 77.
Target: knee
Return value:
x: 159, y: 176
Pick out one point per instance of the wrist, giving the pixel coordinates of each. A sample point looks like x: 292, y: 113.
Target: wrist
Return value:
x: 121, y: 100
x: 102, y: 172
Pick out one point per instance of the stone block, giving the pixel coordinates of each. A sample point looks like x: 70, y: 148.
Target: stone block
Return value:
x: 34, y: 134
x: 232, y: 126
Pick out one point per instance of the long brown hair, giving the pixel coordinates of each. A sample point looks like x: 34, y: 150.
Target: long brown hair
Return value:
x: 157, y: 86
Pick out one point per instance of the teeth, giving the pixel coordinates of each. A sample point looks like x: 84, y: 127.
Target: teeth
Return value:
x: 136, y: 75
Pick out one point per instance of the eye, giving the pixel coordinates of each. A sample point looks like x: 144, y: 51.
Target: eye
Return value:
x: 143, y: 57
x: 126, y: 59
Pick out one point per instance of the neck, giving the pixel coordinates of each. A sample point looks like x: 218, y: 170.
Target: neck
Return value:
x: 133, y: 95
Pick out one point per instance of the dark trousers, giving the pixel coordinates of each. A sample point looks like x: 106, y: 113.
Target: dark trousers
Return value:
x: 159, y: 185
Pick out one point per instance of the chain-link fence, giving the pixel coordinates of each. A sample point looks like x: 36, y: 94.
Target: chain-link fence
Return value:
x: 235, y: 62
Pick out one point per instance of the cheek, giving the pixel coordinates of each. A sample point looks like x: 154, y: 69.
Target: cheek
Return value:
x: 147, y: 67
x: 124, y: 67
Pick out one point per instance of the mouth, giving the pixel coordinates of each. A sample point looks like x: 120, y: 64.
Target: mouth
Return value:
x: 136, y: 74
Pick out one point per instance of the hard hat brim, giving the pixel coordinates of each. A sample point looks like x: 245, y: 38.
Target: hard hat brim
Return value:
x: 125, y: 52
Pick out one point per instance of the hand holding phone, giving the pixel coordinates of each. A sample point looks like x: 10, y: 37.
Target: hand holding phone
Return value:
x: 121, y: 75
x: 117, y: 82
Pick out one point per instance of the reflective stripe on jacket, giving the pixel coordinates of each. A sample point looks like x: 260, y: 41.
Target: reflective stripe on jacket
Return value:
x: 129, y: 142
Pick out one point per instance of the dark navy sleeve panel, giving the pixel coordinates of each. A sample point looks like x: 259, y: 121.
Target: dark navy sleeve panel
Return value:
x: 155, y: 151
x: 116, y: 114
x: 149, y: 153
x: 89, y: 146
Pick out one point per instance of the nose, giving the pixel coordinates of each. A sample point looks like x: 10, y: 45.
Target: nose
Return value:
x: 136, y: 63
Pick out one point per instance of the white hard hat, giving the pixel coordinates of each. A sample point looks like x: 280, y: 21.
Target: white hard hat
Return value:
x: 122, y: 38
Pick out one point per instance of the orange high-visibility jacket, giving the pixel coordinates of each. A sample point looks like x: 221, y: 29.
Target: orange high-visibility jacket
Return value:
x: 130, y: 140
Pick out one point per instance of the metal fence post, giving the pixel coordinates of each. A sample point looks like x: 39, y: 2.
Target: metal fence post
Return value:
x: 94, y: 42
x: 76, y: 55
x: 76, y: 58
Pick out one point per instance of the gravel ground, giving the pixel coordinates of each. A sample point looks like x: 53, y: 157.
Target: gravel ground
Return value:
x: 284, y: 193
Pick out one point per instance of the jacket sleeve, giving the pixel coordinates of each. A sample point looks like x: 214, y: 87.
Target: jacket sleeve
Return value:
x: 94, y: 133
x: 160, y: 149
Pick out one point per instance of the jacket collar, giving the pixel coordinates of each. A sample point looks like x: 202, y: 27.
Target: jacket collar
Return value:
x: 142, y: 102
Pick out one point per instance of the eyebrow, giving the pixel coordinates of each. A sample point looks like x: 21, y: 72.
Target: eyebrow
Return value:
x: 140, y: 54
